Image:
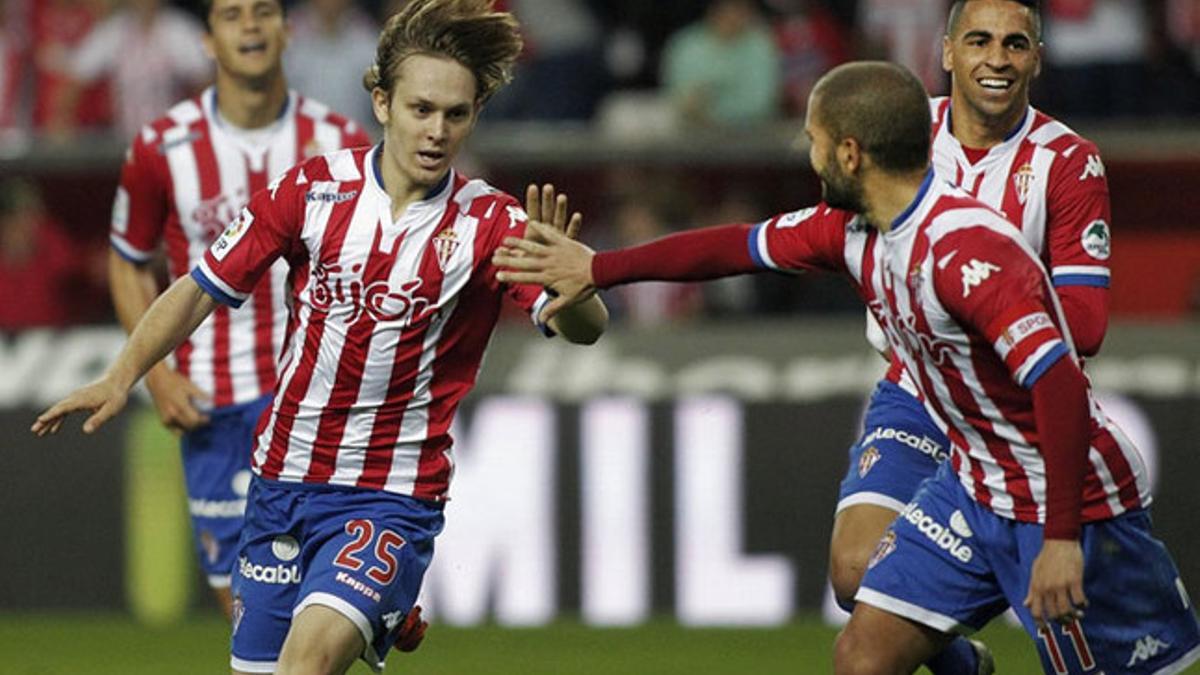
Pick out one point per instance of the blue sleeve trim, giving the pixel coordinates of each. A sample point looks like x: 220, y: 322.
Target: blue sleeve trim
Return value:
x: 1051, y: 358
x: 127, y: 257
x: 1095, y: 281
x: 211, y: 288
x: 752, y: 242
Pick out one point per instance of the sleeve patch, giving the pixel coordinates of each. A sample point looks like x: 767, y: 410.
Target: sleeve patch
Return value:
x: 1019, y: 330
x: 1096, y: 240
x: 232, y: 234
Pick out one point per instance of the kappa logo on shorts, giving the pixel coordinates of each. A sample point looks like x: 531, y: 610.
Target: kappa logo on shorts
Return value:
x: 944, y: 537
x: 887, y: 544
x: 359, y: 586
x: 869, y: 457
x: 1145, y: 649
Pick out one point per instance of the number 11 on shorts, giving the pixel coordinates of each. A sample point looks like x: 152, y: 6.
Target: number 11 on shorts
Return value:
x: 1074, y: 631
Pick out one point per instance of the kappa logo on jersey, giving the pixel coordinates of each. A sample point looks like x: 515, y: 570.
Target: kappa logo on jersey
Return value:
x: 943, y: 537
x: 215, y: 215
x: 445, y: 244
x: 329, y: 197
x: 516, y: 215
x: 332, y: 284
x: 1096, y: 240
x: 795, y: 217
x: 887, y: 544
x: 865, y: 463
x: 1093, y: 169
x: 166, y: 145
x: 230, y: 237
x: 1022, y: 181
x: 1145, y: 649
x: 975, y: 273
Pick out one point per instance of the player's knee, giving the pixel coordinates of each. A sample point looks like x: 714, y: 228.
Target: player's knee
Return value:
x: 852, y: 655
x: 847, y: 565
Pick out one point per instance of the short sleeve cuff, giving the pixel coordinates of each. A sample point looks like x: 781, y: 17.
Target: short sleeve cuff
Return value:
x: 128, y: 251
x: 757, y: 241
x: 536, y: 313
x: 212, y: 284
x: 1081, y: 275
x: 1040, y: 362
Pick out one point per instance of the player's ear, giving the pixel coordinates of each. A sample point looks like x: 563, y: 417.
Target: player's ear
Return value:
x: 209, y: 46
x: 379, y: 104
x: 947, y: 54
x: 849, y: 155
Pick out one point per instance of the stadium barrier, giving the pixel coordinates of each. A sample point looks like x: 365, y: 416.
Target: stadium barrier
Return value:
x: 690, y: 471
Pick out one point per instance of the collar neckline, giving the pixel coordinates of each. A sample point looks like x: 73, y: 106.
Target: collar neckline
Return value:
x: 908, y: 211
x: 377, y: 169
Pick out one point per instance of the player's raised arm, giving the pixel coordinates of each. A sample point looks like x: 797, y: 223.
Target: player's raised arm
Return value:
x: 172, y: 317
x: 578, y: 317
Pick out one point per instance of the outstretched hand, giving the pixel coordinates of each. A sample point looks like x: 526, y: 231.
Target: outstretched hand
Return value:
x: 550, y: 258
x: 543, y: 207
x: 102, y: 398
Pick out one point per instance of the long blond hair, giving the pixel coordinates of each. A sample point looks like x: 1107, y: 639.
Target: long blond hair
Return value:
x: 471, y: 32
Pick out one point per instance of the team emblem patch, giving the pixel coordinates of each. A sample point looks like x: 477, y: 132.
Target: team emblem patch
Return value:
x: 1022, y: 180
x: 868, y: 459
x: 239, y: 611
x: 445, y: 244
x: 883, y: 549
x: 285, y: 547
x: 1097, y: 241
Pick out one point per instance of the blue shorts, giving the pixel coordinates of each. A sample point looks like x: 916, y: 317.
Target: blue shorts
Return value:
x: 900, y: 447
x: 362, y: 553
x: 216, y: 468
x: 949, y: 563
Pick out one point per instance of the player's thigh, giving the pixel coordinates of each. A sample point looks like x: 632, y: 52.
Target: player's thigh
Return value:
x: 370, y: 562
x: 856, y: 533
x: 933, y: 564
x: 321, y: 641
x: 270, y: 565
x: 1139, y: 618
x: 877, y: 641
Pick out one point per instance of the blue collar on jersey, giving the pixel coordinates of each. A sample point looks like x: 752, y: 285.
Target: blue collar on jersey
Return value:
x: 1012, y: 134
x: 908, y: 211
x: 375, y: 164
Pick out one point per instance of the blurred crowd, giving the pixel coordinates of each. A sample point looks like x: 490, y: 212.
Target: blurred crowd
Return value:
x: 71, y: 67
x: 111, y: 65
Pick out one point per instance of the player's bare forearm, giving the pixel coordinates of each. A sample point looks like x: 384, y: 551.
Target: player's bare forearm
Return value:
x: 171, y: 318
x: 583, y: 322
x: 134, y: 289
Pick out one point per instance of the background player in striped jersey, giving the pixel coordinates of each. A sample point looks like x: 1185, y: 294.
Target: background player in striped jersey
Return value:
x: 1044, y: 178
x: 394, y: 298
x: 185, y: 178
x: 1041, y: 486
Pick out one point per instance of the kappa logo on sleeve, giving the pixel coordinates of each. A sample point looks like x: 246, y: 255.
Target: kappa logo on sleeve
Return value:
x: 1093, y: 169
x: 975, y: 273
x: 232, y: 235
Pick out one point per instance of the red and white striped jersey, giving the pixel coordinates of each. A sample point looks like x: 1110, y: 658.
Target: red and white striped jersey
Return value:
x: 973, y: 316
x: 389, y: 319
x: 1045, y: 179
x: 185, y: 178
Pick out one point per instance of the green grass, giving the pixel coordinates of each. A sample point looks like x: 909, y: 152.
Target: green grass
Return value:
x: 65, y: 644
